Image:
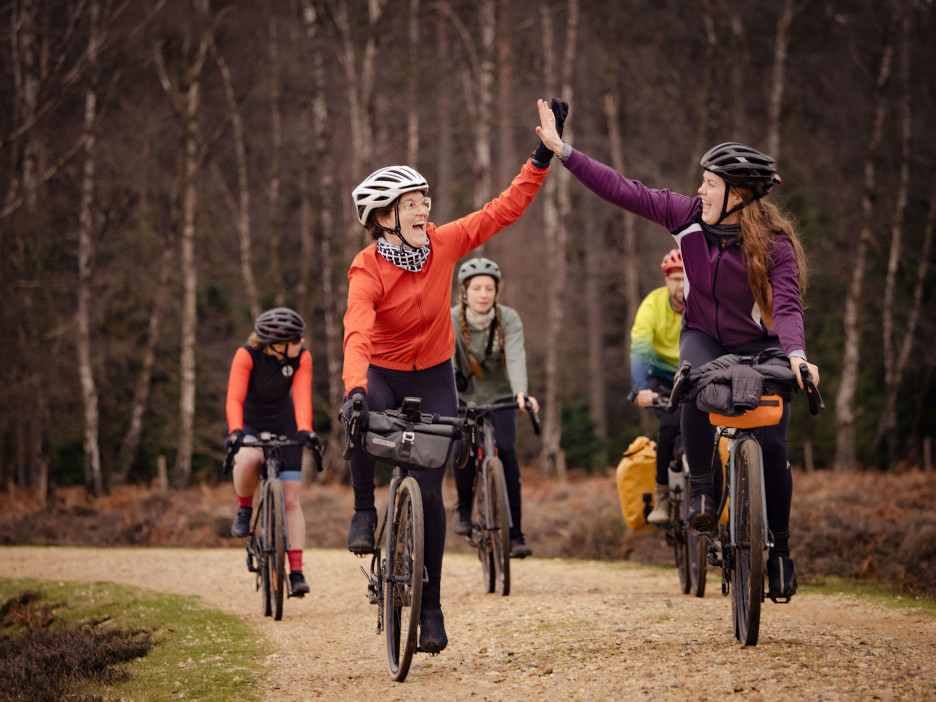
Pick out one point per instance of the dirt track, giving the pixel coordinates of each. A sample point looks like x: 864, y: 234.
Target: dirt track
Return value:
x: 570, y: 630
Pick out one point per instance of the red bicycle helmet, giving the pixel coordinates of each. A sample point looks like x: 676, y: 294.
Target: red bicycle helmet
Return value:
x: 672, y: 261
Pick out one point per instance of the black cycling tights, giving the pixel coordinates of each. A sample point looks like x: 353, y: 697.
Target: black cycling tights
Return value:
x: 386, y: 390
x: 697, y: 433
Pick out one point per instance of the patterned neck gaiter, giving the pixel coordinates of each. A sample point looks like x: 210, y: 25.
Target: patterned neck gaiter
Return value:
x: 403, y: 257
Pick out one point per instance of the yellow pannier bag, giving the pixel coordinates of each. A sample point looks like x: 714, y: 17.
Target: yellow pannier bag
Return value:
x: 636, y: 476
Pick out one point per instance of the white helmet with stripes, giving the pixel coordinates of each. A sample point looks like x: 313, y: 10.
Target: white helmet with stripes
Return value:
x: 383, y: 186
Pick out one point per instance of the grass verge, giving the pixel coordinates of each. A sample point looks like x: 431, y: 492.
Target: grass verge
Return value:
x: 197, y: 653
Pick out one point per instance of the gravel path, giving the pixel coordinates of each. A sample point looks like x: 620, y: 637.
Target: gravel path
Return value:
x: 569, y: 630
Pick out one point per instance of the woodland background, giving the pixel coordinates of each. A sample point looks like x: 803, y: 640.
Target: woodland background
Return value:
x: 173, y: 167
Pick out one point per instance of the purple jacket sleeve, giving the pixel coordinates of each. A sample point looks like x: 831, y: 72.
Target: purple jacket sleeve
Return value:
x: 668, y: 209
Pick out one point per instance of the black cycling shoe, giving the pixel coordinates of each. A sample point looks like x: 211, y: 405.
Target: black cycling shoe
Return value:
x: 781, y: 578
x: 298, y: 587
x: 461, y: 524
x: 519, y: 548
x: 432, y: 638
x: 701, y: 514
x: 241, y: 525
x: 361, y: 533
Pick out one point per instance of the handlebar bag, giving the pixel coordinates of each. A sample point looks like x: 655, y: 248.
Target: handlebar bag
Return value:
x: 396, y: 440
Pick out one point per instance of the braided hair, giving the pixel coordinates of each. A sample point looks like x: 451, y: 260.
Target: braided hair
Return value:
x: 497, y: 331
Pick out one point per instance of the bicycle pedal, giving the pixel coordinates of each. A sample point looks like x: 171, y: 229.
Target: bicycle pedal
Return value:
x: 779, y: 600
x: 714, y: 560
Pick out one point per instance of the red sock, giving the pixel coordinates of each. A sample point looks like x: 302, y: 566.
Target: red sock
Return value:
x: 245, y: 501
x: 295, y: 559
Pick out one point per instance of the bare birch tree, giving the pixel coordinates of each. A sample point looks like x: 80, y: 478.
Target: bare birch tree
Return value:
x: 845, y: 398
x: 239, y: 208
x: 94, y: 482
x: 557, y: 204
x: 276, y: 149
x: 887, y: 424
x: 630, y: 259
x: 778, y: 83
x: 186, y: 99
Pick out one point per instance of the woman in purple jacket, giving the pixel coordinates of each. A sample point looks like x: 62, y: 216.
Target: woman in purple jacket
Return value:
x: 744, y: 272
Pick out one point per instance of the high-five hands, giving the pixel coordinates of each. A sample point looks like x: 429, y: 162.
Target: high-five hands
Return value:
x: 552, y: 117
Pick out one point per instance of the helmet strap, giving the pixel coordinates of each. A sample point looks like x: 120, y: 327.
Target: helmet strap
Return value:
x: 396, y: 229
x: 739, y: 206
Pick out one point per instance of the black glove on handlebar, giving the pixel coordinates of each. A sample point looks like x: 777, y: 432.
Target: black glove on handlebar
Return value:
x: 543, y: 155
x: 312, y: 440
x: 348, y: 407
x: 233, y: 439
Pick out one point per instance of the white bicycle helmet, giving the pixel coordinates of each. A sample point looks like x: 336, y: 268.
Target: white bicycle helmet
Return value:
x: 383, y: 186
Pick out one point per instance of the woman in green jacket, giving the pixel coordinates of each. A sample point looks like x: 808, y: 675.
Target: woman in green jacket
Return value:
x: 490, y: 366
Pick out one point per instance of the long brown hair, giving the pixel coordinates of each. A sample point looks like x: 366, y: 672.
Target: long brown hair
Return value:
x: 761, y: 222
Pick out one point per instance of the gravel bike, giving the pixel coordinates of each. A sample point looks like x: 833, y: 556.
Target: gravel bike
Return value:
x: 269, y: 535
x: 397, y: 572
x: 490, y: 510
x: 740, y: 547
x: 689, y: 547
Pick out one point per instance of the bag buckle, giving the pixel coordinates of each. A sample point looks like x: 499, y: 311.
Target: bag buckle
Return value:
x: 407, y: 440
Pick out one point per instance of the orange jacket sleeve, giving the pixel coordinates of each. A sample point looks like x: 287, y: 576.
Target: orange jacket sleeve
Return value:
x: 238, y: 381
x: 302, y: 392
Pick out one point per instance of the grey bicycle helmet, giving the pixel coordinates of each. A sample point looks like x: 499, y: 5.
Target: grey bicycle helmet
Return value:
x: 478, y: 266
x: 741, y: 165
x: 278, y: 325
x: 383, y: 186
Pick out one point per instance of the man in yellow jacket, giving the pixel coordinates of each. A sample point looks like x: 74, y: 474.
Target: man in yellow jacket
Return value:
x: 654, y: 360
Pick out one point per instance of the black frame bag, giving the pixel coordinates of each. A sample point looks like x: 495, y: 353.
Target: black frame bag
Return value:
x: 409, y: 439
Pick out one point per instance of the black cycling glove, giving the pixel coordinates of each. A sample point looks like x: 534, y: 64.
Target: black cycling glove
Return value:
x: 312, y: 440
x: 233, y: 439
x: 543, y: 155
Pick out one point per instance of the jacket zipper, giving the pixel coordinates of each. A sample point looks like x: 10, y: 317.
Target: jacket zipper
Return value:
x: 721, y: 249
x: 422, y: 317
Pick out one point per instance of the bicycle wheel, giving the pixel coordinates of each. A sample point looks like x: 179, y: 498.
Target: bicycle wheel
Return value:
x: 404, y: 578
x: 697, y: 552
x: 273, y: 543
x: 481, y: 534
x: 681, y: 535
x: 500, y: 524
x: 748, y: 580
x: 696, y: 547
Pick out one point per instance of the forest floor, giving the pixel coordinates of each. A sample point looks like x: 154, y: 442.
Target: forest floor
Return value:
x: 570, y: 629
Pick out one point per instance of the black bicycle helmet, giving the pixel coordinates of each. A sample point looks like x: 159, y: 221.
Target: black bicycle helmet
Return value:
x: 741, y: 165
x: 278, y: 325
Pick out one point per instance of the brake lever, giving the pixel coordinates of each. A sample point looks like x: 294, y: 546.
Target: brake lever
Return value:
x: 812, y: 392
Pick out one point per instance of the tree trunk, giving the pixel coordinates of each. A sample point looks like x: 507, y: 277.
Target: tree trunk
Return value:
x: 94, y: 482
x: 240, y: 210
x: 276, y: 148
x: 887, y: 424
x: 187, y: 100
x: 413, y: 86
x: 629, y: 264
x: 781, y: 46
x: 331, y: 263
x: 442, y: 192
x: 845, y: 399
x: 557, y: 204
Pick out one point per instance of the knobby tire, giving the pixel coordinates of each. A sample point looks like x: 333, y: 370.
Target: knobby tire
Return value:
x: 500, y: 523
x: 275, y: 546
x: 748, y: 579
x: 480, y: 532
x: 403, y: 588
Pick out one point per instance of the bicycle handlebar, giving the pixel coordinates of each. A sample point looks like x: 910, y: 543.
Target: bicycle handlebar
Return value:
x: 512, y: 404
x: 812, y: 392
x: 682, y: 381
x: 267, y: 440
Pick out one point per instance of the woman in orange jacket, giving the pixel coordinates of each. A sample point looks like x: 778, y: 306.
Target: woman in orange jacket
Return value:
x: 398, y: 330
